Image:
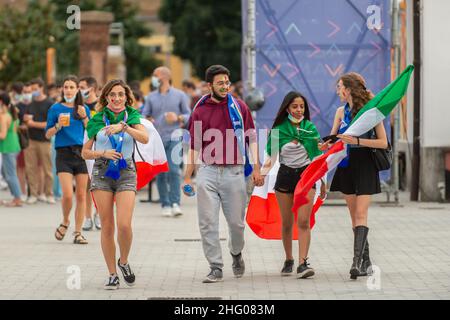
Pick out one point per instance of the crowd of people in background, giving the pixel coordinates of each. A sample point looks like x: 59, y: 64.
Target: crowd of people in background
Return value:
x: 29, y: 169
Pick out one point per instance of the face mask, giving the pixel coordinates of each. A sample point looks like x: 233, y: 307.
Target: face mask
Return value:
x: 85, y: 93
x: 155, y: 82
x: 70, y: 100
x: 36, y: 93
x: 294, y: 120
x: 18, y: 97
x: 27, y: 97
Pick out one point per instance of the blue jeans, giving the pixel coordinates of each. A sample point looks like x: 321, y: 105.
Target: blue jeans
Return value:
x: 169, y: 183
x: 57, y: 192
x: 9, y: 167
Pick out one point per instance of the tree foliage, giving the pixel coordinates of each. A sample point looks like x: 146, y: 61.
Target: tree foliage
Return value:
x: 206, y: 32
x: 24, y: 38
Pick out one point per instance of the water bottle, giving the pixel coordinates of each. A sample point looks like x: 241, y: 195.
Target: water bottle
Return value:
x: 188, y: 190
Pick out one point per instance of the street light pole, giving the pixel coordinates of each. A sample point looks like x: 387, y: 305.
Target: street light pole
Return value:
x: 397, y: 61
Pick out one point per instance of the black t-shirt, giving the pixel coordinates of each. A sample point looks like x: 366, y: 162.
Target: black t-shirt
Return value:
x: 91, y: 106
x: 22, y: 109
x: 39, y: 111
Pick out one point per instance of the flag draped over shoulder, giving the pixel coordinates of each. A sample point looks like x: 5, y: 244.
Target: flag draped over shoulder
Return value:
x: 150, y: 157
x: 263, y: 213
x: 374, y: 112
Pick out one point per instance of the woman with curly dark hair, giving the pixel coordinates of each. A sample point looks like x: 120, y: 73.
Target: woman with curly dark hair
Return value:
x: 114, y: 129
x: 357, y: 176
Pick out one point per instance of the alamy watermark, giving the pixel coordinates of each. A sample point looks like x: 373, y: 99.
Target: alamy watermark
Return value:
x: 73, y: 22
x: 73, y: 282
x: 374, y: 280
x: 374, y: 20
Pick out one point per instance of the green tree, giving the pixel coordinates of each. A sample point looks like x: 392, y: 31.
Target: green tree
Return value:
x: 24, y: 38
x: 206, y: 32
x: 139, y: 61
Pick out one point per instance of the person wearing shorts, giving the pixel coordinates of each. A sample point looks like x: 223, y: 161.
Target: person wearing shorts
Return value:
x: 66, y: 121
x: 111, y: 132
x: 294, y: 137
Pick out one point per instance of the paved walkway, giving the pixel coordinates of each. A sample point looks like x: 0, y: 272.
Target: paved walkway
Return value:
x: 409, y: 244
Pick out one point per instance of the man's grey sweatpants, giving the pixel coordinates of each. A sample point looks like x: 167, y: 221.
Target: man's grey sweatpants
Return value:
x: 216, y: 186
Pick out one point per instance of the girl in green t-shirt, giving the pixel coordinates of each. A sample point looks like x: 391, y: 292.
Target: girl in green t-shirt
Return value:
x: 9, y: 148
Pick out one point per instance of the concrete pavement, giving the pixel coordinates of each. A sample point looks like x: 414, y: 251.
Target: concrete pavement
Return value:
x: 410, y: 245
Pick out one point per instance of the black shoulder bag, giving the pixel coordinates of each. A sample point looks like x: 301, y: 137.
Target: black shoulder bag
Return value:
x: 382, y: 157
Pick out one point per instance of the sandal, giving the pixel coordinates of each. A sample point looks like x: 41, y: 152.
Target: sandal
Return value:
x: 11, y: 204
x: 79, y: 239
x: 58, y: 234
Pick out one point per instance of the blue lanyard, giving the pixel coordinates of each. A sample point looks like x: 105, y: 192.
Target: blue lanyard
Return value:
x: 118, y: 145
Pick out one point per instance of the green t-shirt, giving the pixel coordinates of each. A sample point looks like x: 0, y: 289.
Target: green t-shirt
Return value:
x: 11, y: 142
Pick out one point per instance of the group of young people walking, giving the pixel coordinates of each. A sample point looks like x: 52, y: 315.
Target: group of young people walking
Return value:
x: 221, y: 175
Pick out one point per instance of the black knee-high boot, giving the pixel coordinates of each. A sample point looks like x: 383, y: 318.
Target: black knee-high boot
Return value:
x: 366, y: 266
x: 358, y: 250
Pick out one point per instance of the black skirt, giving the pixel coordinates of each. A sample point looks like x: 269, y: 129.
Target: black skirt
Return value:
x: 360, y: 177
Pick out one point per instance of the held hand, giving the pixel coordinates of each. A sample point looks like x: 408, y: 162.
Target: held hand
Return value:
x: 187, y: 181
x: 112, y: 154
x: 171, y: 117
x: 324, y: 146
x: 113, y: 129
x: 27, y: 117
x: 60, y: 121
x: 258, y: 180
x: 347, y: 139
x: 323, y: 191
x: 82, y: 112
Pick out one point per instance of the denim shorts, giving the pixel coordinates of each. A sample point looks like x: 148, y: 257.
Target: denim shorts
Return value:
x: 126, y: 182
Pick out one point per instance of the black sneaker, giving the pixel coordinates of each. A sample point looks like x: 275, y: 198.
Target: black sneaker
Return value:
x: 304, y: 271
x: 215, y: 275
x: 287, y: 267
x: 112, y: 283
x: 238, y: 265
x: 128, y: 275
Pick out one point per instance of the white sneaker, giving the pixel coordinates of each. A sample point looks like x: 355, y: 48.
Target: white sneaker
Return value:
x: 51, y: 200
x: 176, y: 210
x: 167, y: 212
x: 23, y: 198
x: 42, y: 198
x: 3, y: 185
x: 32, y: 200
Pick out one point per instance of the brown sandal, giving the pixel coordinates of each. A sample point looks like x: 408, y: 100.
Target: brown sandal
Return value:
x: 79, y: 239
x: 58, y: 234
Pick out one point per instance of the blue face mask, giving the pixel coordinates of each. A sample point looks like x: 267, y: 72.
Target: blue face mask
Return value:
x: 36, y: 93
x: 70, y: 100
x: 156, y: 83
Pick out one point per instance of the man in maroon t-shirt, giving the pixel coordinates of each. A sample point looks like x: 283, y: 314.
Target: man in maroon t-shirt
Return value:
x: 220, y: 178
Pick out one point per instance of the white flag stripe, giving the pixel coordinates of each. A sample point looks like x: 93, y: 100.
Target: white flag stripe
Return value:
x: 365, y: 122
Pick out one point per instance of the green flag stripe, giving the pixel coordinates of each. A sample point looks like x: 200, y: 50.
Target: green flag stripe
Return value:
x: 389, y: 97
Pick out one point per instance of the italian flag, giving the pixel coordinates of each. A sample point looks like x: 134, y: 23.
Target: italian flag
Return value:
x: 374, y: 112
x: 150, y: 158
x: 263, y: 214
